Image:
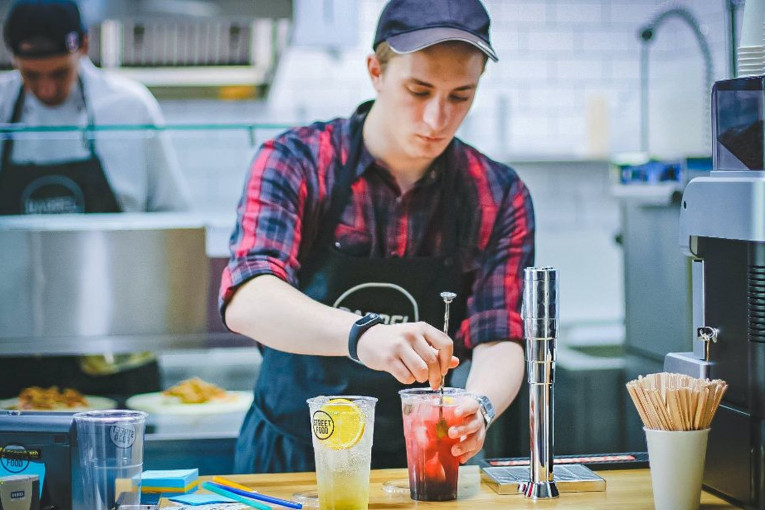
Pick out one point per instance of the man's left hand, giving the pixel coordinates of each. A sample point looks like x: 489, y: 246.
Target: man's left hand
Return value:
x: 472, y: 431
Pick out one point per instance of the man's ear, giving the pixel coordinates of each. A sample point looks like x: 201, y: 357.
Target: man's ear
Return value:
x: 375, y: 71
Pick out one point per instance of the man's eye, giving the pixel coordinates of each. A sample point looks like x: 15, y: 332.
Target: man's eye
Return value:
x: 419, y: 93
x: 459, y: 99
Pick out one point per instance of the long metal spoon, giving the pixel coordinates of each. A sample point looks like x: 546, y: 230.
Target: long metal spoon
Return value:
x: 448, y: 297
x: 441, y: 426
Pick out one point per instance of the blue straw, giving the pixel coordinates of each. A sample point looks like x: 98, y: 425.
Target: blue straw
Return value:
x: 221, y: 492
x: 257, y: 495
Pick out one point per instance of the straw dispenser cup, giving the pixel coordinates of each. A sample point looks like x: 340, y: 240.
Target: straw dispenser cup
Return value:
x: 540, y: 320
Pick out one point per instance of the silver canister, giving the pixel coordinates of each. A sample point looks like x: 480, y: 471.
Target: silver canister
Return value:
x: 540, y: 320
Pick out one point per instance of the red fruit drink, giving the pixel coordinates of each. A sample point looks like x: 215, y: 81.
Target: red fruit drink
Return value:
x: 432, y: 467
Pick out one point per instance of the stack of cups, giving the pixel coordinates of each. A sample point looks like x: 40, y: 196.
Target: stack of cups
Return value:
x: 751, y: 49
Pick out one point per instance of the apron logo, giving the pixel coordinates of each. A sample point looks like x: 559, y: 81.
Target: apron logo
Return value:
x: 122, y: 435
x: 398, y: 305
x: 52, y: 194
x: 322, y: 424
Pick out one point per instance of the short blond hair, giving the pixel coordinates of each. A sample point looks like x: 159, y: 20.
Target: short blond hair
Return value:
x: 384, y: 52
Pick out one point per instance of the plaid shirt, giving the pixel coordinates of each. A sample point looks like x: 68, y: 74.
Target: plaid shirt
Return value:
x: 287, y: 193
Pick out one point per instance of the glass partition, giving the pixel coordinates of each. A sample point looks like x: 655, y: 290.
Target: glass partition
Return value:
x: 212, y: 158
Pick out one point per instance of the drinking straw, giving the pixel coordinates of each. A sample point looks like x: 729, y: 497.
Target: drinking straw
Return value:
x: 257, y: 495
x: 231, y: 483
x: 222, y: 492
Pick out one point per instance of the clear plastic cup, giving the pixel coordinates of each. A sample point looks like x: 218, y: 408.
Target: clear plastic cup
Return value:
x: 433, y: 470
x: 342, y: 429
x: 111, y: 457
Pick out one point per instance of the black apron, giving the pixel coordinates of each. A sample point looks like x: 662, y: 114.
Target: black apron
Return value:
x: 65, y: 187
x: 276, y: 435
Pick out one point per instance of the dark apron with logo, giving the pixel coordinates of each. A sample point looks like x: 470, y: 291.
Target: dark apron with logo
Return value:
x: 56, y: 188
x: 276, y: 434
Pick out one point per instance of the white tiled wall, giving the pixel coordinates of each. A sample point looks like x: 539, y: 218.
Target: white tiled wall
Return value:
x: 566, y: 88
x: 567, y: 85
x: 556, y: 58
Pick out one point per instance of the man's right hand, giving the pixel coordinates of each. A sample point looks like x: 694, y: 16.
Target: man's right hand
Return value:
x: 413, y: 351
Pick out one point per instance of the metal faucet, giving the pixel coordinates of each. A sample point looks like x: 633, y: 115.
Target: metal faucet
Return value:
x: 540, y: 320
x: 646, y: 34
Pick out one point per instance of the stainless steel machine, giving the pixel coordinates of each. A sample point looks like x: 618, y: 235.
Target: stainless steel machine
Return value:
x: 722, y: 229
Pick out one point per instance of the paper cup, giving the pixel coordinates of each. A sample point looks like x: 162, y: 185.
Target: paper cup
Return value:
x: 751, y: 23
x: 676, y: 459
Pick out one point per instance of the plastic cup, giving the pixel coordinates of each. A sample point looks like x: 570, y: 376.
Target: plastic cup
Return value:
x: 432, y: 468
x: 676, y: 459
x: 111, y: 456
x: 342, y: 429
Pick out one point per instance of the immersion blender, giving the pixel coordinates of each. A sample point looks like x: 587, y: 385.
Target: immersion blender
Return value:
x: 540, y: 321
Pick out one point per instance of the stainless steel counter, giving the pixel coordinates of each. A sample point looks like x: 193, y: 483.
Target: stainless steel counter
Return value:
x: 109, y: 283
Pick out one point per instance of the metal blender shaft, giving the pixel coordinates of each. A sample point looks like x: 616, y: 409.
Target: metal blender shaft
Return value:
x: 540, y: 318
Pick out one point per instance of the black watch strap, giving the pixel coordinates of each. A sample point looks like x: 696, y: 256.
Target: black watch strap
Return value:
x: 359, y: 328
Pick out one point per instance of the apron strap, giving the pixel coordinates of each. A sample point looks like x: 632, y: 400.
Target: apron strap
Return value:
x: 342, y: 189
x: 18, y: 106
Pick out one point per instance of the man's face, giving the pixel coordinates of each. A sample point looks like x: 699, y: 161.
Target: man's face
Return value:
x: 50, y: 79
x: 425, y: 96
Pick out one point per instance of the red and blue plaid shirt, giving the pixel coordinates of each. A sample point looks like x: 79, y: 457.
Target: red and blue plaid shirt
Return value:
x: 287, y: 193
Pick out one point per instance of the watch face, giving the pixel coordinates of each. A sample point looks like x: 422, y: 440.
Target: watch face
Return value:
x: 368, y: 319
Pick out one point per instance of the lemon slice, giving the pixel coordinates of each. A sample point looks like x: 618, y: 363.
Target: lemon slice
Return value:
x: 339, y: 424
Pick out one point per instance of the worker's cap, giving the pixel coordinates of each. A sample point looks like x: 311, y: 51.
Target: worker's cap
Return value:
x: 43, y: 28
x: 411, y: 25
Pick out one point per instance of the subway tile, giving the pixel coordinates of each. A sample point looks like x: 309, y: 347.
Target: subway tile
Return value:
x: 580, y: 69
x: 559, y: 40
x: 552, y: 99
x: 608, y: 41
x: 526, y: 68
x: 636, y: 13
x: 579, y: 12
x: 505, y: 12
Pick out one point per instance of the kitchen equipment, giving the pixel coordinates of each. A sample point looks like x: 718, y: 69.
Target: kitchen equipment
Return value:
x: 540, y: 319
x: 723, y: 232
x: 41, y: 444
x: 101, y: 283
x: 20, y: 492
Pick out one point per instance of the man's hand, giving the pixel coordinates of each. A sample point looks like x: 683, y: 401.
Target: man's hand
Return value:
x: 472, y: 431
x: 413, y: 351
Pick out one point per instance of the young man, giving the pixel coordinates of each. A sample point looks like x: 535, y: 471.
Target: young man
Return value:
x: 381, y: 213
x: 57, y: 85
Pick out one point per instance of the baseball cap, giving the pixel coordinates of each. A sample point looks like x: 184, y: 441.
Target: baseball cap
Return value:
x: 43, y: 28
x: 411, y: 25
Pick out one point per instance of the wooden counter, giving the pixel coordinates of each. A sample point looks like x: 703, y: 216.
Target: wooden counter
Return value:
x: 626, y: 489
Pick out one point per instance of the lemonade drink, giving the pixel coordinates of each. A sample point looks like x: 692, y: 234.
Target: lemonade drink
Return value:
x: 342, y: 429
x: 432, y: 467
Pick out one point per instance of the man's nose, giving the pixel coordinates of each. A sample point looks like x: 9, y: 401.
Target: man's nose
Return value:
x: 46, y: 89
x: 436, y: 114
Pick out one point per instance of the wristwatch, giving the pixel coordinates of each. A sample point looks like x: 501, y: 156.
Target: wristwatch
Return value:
x: 486, y: 408
x: 359, y: 328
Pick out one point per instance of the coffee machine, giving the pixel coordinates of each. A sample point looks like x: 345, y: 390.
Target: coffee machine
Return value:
x: 722, y: 229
